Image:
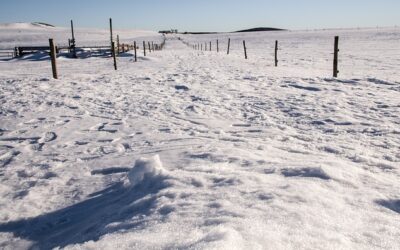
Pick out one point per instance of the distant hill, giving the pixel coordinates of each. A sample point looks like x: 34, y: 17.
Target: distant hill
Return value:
x: 43, y: 24
x: 34, y: 25
x: 259, y: 29
x: 247, y: 30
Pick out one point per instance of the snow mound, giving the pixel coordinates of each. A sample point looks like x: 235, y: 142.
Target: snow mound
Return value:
x: 146, y: 170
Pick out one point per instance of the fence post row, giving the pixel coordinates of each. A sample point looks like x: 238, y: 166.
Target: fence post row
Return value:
x: 335, y: 57
x: 276, y: 53
x: 53, y: 58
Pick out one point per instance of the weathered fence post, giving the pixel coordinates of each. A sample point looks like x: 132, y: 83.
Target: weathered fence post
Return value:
x: 210, y: 46
x: 113, y: 54
x: 149, y: 47
x: 53, y: 58
x: 217, y: 46
x: 144, y: 48
x: 245, y: 51
x: 335, y: 57
x: 276, y: 53
x: 134, y: 44
x: 152, y: 46
x: 205, y: 46
x: 229, y: 45
x: 201, y: 47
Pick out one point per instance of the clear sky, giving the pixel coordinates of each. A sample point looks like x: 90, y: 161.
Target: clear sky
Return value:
x: 205, y: 15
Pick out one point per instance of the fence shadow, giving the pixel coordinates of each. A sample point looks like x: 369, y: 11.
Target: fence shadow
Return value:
x: 89, y: 219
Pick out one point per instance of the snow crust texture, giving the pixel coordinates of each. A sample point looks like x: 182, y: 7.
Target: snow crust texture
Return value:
x: 202, y: 150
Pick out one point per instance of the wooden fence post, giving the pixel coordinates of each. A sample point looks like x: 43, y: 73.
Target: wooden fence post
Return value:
x: 144, y: 48
x: 201, y: 47
x: 229, y: 45
x: 53, y: 58
x: 244, y: 46
x: 152, y: 46
x: 276, y: 53
x: 210, y: 46
x: 149, y: 47
x: 335, y: 57
x: 217, y: 46
x: 205, y: 46
x: 113, y: 54
x: 134, y: 44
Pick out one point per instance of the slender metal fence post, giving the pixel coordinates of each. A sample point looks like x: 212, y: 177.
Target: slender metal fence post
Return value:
x: 229, y: 45
x: 53, y: 58
x: 276, y: 53
x: 245, y: 51
x: 111, y: 32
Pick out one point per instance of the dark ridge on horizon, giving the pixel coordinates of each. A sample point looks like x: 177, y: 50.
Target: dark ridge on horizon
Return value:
x: 259, y: 29
x: 43, y: 24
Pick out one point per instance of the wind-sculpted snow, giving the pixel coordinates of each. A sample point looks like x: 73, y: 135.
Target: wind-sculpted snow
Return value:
x: 199, y: 150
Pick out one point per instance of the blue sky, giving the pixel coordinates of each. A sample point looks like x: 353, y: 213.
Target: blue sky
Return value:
x: 205, y: 15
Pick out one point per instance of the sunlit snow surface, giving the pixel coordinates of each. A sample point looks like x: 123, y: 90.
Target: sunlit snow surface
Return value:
x: 201, y: 150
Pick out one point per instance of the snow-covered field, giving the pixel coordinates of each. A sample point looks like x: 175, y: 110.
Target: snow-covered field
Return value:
x: 201, y: 150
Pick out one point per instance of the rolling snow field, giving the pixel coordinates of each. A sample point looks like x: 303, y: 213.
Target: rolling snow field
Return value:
x: 189, y: 149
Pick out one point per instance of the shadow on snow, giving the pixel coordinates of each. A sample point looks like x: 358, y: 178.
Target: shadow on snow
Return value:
x: 89, y: 219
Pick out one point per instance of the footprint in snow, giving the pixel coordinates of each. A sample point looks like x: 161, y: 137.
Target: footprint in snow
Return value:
x: 48, y: 137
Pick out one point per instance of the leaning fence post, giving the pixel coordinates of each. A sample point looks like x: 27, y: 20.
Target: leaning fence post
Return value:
x: 134, y: 44
x: 335, y: 57
x: 244, y: 46
x: 53, y: 58
x: 144, y: 48
x: 276, y: 53
x: 229, y: 45
x: 113, y: 54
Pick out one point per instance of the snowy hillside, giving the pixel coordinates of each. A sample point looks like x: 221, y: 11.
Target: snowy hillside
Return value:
x: 33, y: 34
x: 202, y: 150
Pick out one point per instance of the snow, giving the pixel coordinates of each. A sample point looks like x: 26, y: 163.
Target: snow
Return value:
x: 146, y: 170
x: 202, y: 150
